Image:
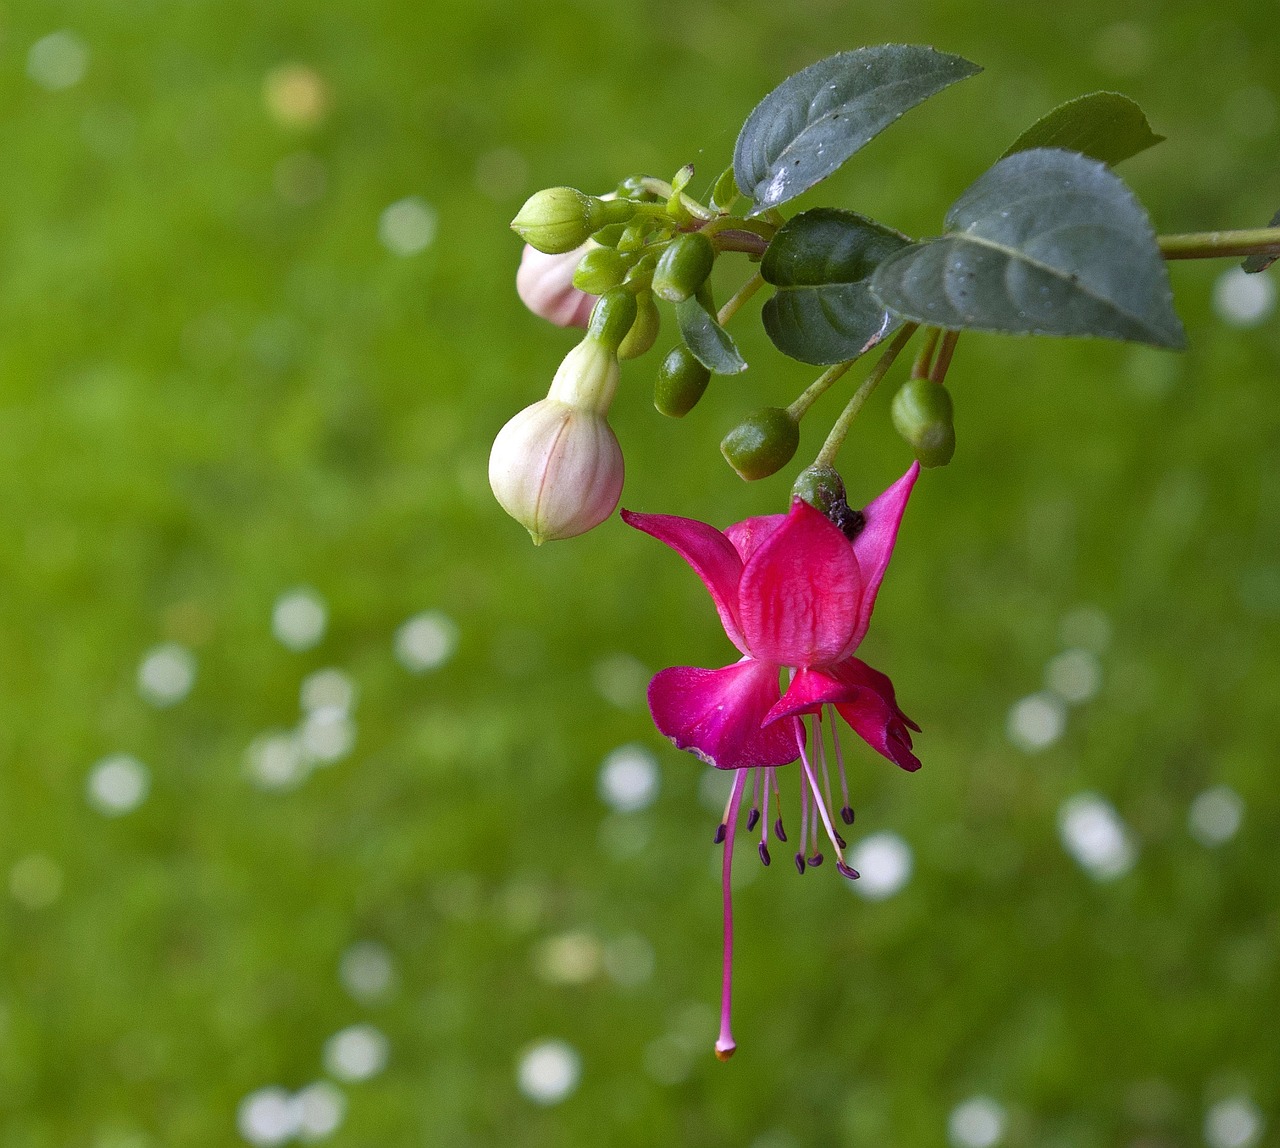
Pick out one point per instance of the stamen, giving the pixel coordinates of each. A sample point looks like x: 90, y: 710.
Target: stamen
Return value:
x: 726, y: 1045
x: 764, y: 854
x: 753, y: 817
x: 800, y: 863
x: 821, y: 809
x: 815, y: 860
x: 720, y: 831
x: 778, y: 831
x: 764, y: 829
x: 822, y: 756
x: 847, y: 871
x: 846, y: 810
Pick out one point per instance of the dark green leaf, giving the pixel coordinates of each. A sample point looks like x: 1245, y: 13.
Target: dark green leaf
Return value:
x: 1256, y: 263
x: 815, y: 120
x: 710, y: 343
x: 1104, y: 125
x: 821, y: 262
x: 1047, y: 242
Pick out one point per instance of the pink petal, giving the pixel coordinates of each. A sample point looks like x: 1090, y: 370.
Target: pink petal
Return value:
x: 800, y: 592
x: 746, y: 536
x: 874, y: 545
x: 545, y: 285
x: 718, y: 714
x: 711, y: 555
x: 874, y: 714
x: 809, y: 691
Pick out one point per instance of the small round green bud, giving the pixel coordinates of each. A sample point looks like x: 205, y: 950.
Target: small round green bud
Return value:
x: 644, y: 331
x: 821, y: 487
x: 684, y: 267
x: 762, y: 444
x: 681, y: 382
x: 558, y: 219
x: 599, y: 269
x: 922, y: 413
x: 612, y: 317
x: 633, y: 187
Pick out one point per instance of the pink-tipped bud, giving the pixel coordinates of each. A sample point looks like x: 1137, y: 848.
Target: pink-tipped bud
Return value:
x: 557, y: 469
x: 545, y: 285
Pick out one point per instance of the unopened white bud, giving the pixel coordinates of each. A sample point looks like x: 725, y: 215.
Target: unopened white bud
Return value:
x: 545, y: 285
x: 557, y: 469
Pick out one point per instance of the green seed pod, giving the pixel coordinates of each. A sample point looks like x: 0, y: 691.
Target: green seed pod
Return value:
x: 681, y: 382
x: 922, y: 414
x: 612, y: 317
x: 762, y: 444
x: 600, y: 269
x: 684, y: 267
x: 644, y: 331
x: 558, y: 219
x: 821, y: 487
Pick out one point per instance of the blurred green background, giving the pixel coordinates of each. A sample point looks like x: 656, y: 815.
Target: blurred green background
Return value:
x: 257, y: 330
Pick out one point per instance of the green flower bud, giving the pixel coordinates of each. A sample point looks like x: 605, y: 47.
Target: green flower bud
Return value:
x: 762, y: 444
x: 644, y: 331
x: 599, y: 269
x: 922, y: 414
x: 559, y: 219
x: 681, y: 382
x: 612, y: 317
x: 684, y: 267
x: 821, y: 487
x: 633, y: 188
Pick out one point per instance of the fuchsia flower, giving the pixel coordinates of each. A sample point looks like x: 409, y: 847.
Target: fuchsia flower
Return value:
x: 794, y: 592
x: 545, y: 285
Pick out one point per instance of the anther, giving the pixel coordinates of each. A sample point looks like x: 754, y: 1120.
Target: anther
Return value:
x: 841, y: 842
x: 846, y: 815
x: 777, y: 830
x: 721, y: 830
x: 800, y: 863
x: 753, y: 819
x: 847, y: 870
x: 764, y: 853
x: 815, y: 860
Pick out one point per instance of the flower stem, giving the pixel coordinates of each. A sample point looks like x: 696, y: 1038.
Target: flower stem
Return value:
x: 726, y: 1045
x: 938, y: 372
x: 816, y: 389
x: 1220, y: 244
x: 920, y: 368
x: 835, y: 440
x: 740, y: 297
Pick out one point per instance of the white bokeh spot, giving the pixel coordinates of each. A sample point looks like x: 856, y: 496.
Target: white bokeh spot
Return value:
x: 628, y: 779
x: 118, y: 784
x: 884, y: 864
x: 1094, y: 834
x: 166, y: 674
x: 976, y: 1123
x: 408, y: 226
x: 1233, y: 1123
x: 1036, y: 722
x: 356, y: 1053
x: 57, y: 61
x: 299, y: 618
x: 549, y: 1071
x: 1244, y: 300
x: 1215, y: 815
x: 426, y: 641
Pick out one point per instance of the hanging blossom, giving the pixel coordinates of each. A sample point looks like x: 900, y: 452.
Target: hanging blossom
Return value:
x: 794, y: 592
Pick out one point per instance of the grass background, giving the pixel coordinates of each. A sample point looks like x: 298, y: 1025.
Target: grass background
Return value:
x: 210, y: 394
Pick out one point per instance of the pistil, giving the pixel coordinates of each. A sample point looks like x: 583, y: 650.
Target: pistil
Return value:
x: 726, y: 1045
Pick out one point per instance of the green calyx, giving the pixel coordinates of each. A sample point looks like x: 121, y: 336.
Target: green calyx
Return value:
x: 558, y: 219
x: 644, y: 330
x: 922, y: 413
x: 684, y: 267
x: 612, y: 318
x: 762, y: 444
x: 681, y: 382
